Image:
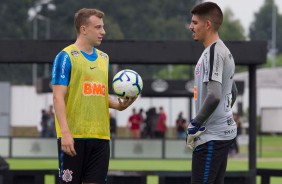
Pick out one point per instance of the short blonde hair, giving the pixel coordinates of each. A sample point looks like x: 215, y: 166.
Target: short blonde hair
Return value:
x: 81, y: 17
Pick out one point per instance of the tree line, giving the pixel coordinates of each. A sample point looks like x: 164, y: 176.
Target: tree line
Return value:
x: 143, y: 20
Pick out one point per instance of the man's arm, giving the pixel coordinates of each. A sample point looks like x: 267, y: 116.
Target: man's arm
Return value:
x: 210, y: 103
x: 67, y: 142
x: 234, y: 92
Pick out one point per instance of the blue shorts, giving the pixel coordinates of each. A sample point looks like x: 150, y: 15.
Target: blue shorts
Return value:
x: 209, y: 162
x: 90, y: 165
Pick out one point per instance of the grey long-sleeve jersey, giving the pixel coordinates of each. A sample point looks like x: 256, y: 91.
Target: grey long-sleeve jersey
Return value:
x: 216, y: 65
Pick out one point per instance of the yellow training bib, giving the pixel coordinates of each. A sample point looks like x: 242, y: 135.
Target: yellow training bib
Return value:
x: 87, y: 105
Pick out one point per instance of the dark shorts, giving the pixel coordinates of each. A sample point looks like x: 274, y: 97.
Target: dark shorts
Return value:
x: 90, y: 165
x: 209, y: 162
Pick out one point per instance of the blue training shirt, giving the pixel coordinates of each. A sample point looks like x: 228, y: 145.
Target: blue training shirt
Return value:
x: 61, y: 70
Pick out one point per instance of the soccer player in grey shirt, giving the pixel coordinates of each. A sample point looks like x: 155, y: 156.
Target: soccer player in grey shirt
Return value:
x: 212, y: 131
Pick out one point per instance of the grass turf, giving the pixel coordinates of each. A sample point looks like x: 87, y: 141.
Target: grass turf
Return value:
x: 150, y: 165
x: 269, y: 152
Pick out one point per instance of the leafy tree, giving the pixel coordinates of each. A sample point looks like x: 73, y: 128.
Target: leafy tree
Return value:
x: 261, y: 28
x: 13, y: 18
x: 183, y: 72
x: 113, y: 30
x: 125, y: 19
x: 231, y: 28
x: 143, y: 20
x: 14, y: 26
x: 16, y: 73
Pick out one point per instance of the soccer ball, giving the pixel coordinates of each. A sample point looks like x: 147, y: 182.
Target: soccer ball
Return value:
x: 127, y: 83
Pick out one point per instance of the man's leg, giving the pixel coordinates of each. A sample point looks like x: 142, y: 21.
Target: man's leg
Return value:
x: 223, y: 148
x: 209, y: 162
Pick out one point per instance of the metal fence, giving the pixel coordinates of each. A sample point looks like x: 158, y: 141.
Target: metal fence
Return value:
x: 122, y: 148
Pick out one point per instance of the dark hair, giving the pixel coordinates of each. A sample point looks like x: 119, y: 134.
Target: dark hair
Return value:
x: 210, y: 11
x: 82, y: 17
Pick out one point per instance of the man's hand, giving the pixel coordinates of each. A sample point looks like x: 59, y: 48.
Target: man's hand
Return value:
x: 124, y: 103
x: 67, y: 144
x: 194, y: 130
x: 120, y: 104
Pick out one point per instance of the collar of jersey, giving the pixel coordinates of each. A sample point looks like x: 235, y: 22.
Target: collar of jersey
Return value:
x: 91, y: 57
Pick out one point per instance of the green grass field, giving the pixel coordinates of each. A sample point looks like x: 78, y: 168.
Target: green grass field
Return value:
x: 150, y: 165
x: 271, y: 157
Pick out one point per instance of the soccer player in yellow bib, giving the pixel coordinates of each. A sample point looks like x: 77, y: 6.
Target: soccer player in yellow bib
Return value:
x: 82, y: 102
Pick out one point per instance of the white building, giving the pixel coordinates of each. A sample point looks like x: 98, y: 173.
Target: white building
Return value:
x: 269, y: 98
x: 269, y: 88
x: 26, y: 104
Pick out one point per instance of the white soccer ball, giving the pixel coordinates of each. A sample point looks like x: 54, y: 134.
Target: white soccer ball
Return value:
x: 127, y: 83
